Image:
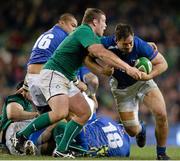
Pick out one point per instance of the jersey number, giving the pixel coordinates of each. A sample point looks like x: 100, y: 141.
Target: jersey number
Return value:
x: 43, y: 41
x: 114, y: 139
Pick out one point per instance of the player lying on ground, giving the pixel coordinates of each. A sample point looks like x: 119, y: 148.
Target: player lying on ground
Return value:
x: 16, y: 112
x: 101, y: 136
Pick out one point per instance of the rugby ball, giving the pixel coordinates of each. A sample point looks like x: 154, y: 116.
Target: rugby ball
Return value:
x: 144, y: 65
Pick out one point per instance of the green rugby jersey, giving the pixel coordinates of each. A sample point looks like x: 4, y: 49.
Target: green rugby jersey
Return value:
x: 18, y: 98
x: 69, y: 55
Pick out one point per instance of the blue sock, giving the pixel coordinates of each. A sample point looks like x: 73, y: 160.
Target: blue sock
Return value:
x: 160, y: 150
x: 143, y: 130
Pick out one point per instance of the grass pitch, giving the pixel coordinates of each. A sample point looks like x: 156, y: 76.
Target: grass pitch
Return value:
x: 146, y: 153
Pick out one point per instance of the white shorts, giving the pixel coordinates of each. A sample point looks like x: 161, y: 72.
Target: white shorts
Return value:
x: 90, y: 102
x: 128, y: 99
x: 54, y: 83
x: 33, y: 81
x: 11, y: 130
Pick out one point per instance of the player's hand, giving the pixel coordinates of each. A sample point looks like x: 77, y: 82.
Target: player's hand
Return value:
x: 154, y: 46
x: 145, y: 76
x: 82, y: 86
x: 108, y: 71
x: 134, y: 72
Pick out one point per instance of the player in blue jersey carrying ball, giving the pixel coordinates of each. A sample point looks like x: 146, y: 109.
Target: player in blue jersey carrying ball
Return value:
x: 128, y: 92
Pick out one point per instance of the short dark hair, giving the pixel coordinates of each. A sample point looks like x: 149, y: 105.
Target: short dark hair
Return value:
x: 19, y: 85
x: 66, y: 17
x: 122, y: 31
x: 91, y: 14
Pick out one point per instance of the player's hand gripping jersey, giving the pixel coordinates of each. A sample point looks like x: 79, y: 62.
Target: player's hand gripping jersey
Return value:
x: 140, y: 49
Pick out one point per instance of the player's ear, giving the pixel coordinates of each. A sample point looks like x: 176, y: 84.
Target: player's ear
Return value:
x: 95, y: 22
x: 61, y: 22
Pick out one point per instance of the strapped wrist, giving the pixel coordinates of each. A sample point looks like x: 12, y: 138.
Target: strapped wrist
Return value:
x: 76, y: 82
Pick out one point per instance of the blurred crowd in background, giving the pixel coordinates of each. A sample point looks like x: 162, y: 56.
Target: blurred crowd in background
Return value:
x: 21, y: 22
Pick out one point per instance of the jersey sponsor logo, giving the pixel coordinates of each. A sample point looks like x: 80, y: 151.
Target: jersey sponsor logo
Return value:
x: 58, y: 86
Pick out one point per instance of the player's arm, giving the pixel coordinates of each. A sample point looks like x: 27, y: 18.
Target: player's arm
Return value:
x: 16, y: 112
x: 93, y: 83
x: 94, y: 46
x: 158, y: 62
x: 97, y: 50
x: 153, y: 45
x: 46, y: 135
x: 159, y: 65
x: 96, y: 68
x: 81, y: 85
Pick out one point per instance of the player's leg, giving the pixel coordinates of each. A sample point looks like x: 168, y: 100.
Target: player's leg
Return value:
x: 59, y: 105
x: 80, y: 108
x: 53, y: 87
x: 130, y: 121
x: 155, y: 102
x: 128, y: 111
x: 127, y: 103
x: 13, y: 128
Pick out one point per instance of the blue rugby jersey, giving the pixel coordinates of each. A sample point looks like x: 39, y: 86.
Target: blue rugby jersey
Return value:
x: 140, y: 49
x: 105, y: 132
x: 46, y: 44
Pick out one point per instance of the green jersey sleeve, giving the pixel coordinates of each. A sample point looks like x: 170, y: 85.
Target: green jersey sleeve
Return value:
x: 20, y: 100
x: 87, y: 37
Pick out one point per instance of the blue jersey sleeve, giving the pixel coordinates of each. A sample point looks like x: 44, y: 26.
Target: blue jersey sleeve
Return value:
x: 144, y: 49
x: 82, y: 72
x: 108, y: 41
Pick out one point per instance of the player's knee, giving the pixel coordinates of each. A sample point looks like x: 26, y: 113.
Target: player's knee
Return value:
x: 60, y: 115
x: 132, y: 131
x: 132, y: 127
x: 161, y: 116
x: 86, y: 115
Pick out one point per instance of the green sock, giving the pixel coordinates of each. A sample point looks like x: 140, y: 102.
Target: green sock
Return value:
x: 58, y: 132
x: 37, y: 124
x: 71, y: 130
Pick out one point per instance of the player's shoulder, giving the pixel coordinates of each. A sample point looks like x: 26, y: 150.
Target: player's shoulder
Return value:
x: 14, y: 98
x: 138, y: 41
x: 56, y: 30
x: 83, y: 28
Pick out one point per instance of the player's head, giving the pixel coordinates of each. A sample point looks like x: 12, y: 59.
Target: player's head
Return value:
x: 22, y: 89
x: 67, y: 22
x: 96, y: 18
x: 124, y: 37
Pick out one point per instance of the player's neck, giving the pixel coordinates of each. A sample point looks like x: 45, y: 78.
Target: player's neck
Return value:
x: 92, y: 27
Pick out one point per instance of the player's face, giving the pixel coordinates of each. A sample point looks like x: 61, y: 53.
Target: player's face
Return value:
x: 70, y: 25
x: 26, y: 95
x: 100, y: 25
x: 126, y: 45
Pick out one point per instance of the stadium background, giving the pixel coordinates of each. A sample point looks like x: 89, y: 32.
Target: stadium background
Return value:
x: 21, y: 22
